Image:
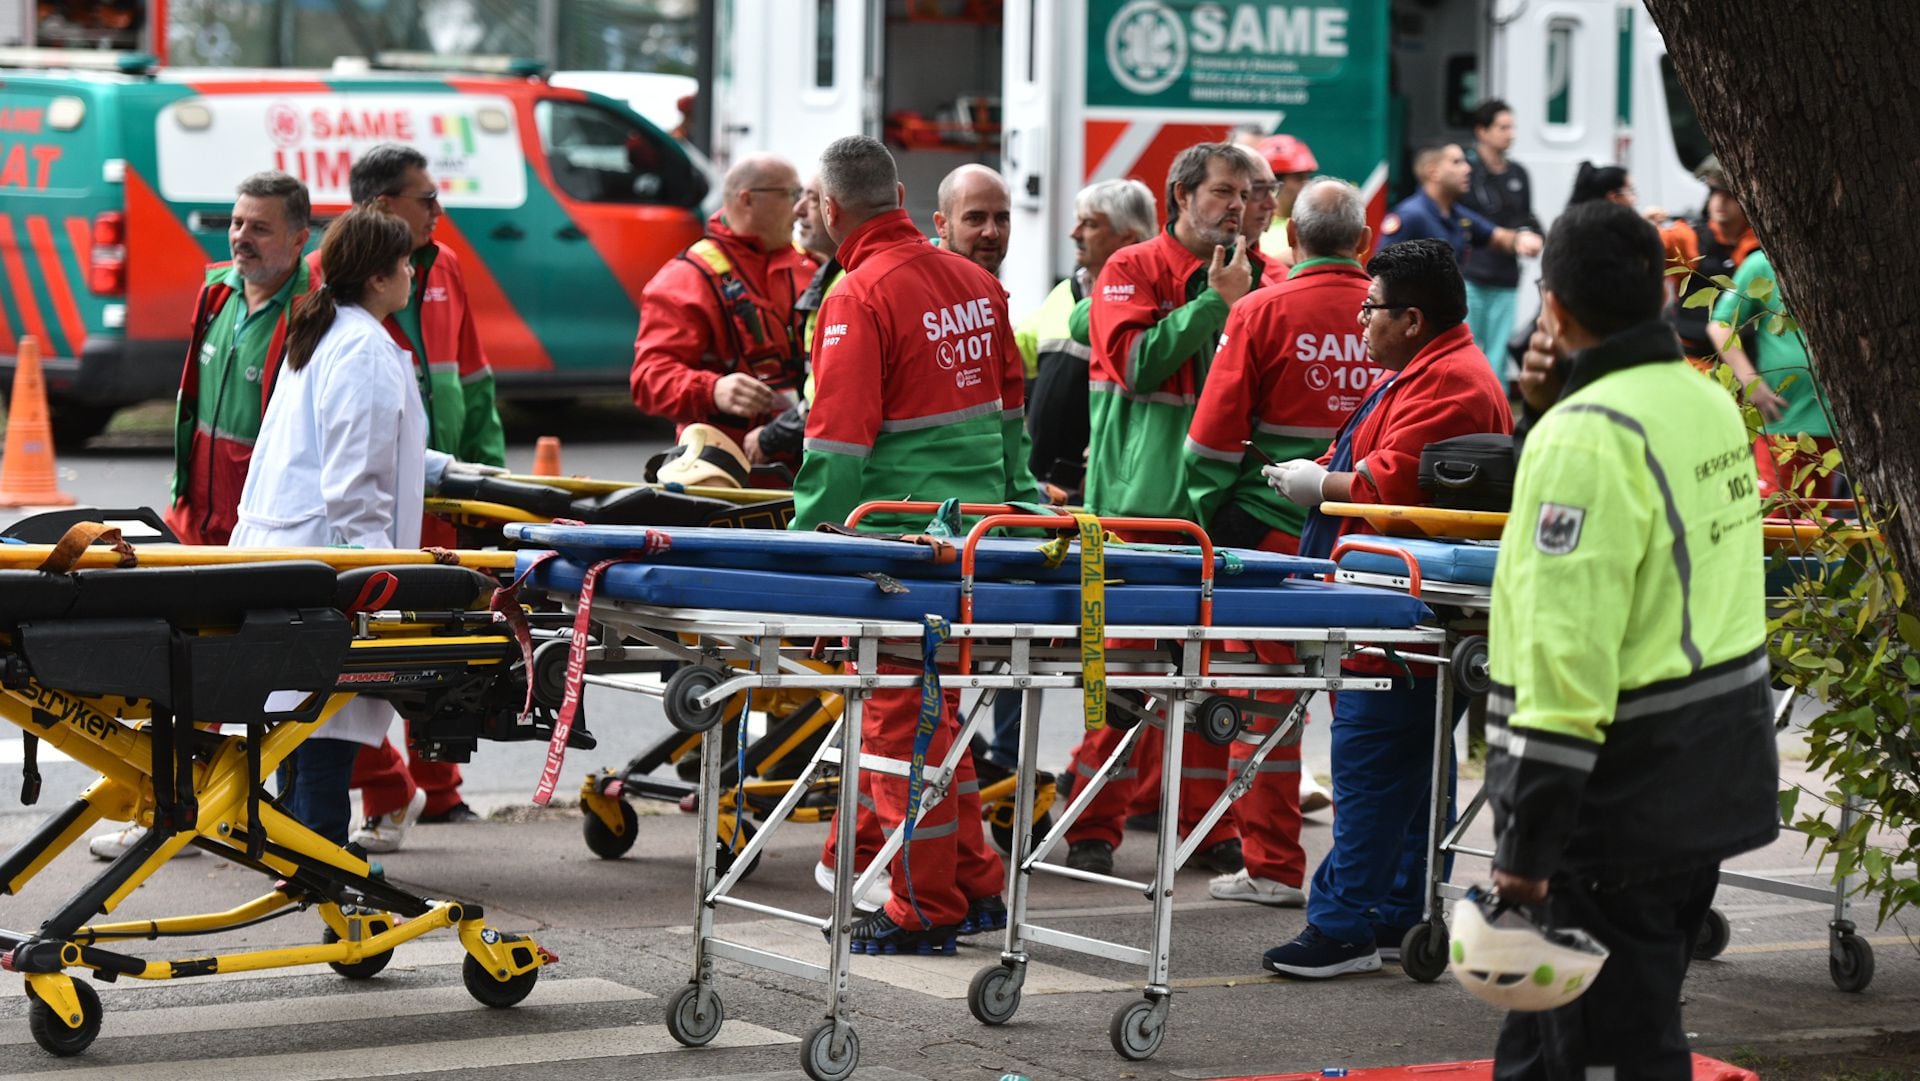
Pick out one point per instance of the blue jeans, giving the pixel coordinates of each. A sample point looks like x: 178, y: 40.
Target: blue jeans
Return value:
x: 1382, y: 771
x: 1003, y: 746
x: 1490, y: 318
x: 313, y: 786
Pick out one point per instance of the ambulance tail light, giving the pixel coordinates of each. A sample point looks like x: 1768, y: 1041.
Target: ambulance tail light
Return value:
x: 107, y: 264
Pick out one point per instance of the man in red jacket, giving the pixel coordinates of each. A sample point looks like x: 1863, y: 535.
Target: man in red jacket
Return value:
x: 1292, y: 367
x: 1368, y: 891
x: 720, y: 342
x: 917, y: 393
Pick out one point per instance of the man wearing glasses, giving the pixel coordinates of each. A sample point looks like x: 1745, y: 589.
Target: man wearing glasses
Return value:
x: 1367, y: 892
x: 720, y: 340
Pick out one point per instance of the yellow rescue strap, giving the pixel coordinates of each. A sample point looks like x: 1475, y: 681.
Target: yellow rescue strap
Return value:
x: 1093, y: 621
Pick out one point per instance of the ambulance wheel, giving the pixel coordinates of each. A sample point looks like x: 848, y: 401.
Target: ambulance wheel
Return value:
x: 994, y: 994
x: 1423, y: 952
x: 498, y: 994
x: 1217, y: 719
x: 550, y: 673
x: 681, y: 698
x: 694, y: 1018
x: 602, y: 841
x: 1715, y: 933
x: 1849, y: 962
x: 724, y: 854
x: 367, y: 967
x: 74, y: 424
x: 1003, y: 835
x: 52, y: 1032
x: 1469, y: 664
x: 1136, y: 1031
x: 825, y: 1062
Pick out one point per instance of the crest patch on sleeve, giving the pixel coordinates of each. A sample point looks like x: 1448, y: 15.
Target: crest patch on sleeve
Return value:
x: 1558, y: 530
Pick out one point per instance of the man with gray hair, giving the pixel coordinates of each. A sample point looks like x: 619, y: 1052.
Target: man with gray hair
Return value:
x: 1292, y: 366
x: 720, y: 342
x: 917, y: 394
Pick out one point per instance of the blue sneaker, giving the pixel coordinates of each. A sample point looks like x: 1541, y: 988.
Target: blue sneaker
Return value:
x: 878, y: 934
x: 1314, y: 956
x: 984, y: 914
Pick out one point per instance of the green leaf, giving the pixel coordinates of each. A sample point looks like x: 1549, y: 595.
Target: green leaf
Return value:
x: 1776, y: 325
x: 1788, y: 798
x: 1760, y: 289
x: 1700, y: 298
x: 1910, y: 631
x: 1723, y: 282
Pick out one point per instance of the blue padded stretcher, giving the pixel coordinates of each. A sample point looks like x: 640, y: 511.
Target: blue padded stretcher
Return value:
x: 1290, y: 603
x: 1443, y: 561
x: 996, y: 558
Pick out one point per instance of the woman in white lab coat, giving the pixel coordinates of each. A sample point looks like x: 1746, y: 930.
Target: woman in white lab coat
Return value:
x: 342, y: 460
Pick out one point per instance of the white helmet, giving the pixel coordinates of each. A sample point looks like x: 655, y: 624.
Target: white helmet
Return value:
x: 1508, y: 960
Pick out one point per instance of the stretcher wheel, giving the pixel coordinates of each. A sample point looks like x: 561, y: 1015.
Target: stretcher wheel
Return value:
x: 1471, y: 672
x: 367, y: 967
x: 681, y: 698
x: 693, y: 1017
x: 1003, y: 835
x: 825, y: 1062
x: 498, y: 994
x: 1849, y: 962
x: 1217, y: 719
x: 994, y: 994
x: 602, y: 841
x: 550, y: 673
x: 51, y: 1031
x: 1423, y: 952
x: 724, y: 853
x: 1122, y: 719
x: 1136, y: 1030
x: 1715, y: 933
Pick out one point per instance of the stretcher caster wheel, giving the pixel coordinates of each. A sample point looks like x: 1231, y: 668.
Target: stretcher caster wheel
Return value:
x: 693, y: 1017
x: 826, y: 1059
x: 1849, y: 962
x: 680, y: 700
x: 1714, y: 935
x: 725, y: 853
x: 367, y: 967
x: 52, y: 1032
x: 1471, y: 673
x: 1003, y: 835
x: 602, y: 841
x: 498, y: 994
x: 1423, y: 952
x: 1217, y: 719
x: 549, y: 675
x: 994, y: 994
x: 1124, y: 708
x: 1137, y: 1029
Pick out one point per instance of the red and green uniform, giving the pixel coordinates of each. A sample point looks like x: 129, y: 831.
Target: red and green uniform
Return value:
x: 1155, y: 324
x: 232, y: 359
x: 724, y: 305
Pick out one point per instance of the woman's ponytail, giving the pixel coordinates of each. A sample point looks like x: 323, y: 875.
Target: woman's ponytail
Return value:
x: 311, y: 318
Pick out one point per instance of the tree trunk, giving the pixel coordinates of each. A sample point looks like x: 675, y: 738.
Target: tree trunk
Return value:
x: 1814, y: 110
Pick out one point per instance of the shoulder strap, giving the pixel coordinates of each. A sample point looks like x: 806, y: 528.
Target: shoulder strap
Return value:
x: 710, y: 254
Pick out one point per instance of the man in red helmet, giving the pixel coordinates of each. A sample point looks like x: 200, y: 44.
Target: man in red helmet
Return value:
x: 1293, y: 165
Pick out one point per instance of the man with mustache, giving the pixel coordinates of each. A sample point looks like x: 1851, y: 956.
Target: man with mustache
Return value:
x: 1157, y: 313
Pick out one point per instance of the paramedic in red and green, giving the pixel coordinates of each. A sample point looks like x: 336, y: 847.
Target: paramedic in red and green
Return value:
x: 239, y: 332
x: 918, y: 395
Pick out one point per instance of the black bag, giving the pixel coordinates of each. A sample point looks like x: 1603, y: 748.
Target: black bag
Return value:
x: 1469, y: 472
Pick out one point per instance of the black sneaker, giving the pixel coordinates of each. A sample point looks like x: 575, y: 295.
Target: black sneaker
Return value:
x: 459, y: 812
x: 1315, y: 956
x: 878, y: 934
x: 1095, y: 857
x: 984, y: 914
x: 1223, y: 858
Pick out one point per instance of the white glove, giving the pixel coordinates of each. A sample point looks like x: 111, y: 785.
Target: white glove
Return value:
x: 1298, y: 481
x: 458, y: 468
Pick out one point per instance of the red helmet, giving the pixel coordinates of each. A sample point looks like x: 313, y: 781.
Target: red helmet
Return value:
x: 1286, y: 154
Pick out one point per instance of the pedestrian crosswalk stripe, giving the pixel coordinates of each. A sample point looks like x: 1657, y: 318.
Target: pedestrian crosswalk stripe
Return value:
x: 325, y: 1009
x: 420, y: 953
x: 424, y: 1057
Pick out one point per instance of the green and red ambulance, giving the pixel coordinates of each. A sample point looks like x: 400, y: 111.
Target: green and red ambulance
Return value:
x: 116, y: 186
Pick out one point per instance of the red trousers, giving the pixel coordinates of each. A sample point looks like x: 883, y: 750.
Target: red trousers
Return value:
x: 950, y: 863
x: 387, y: 781
x: 1135, y: 786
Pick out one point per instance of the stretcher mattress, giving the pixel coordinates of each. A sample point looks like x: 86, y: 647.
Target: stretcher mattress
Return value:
x: 996, y: 559
x: 1442, y: 561
x: 1291, y: 603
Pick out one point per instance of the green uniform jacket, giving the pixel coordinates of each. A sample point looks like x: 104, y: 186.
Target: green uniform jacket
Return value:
x: 1630, y: 722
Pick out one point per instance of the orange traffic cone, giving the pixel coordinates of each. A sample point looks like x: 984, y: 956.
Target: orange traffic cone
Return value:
x: 26, y: 472
x: 546, y: 456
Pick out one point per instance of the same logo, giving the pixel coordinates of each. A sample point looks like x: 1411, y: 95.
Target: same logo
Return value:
x: 1146, y: 47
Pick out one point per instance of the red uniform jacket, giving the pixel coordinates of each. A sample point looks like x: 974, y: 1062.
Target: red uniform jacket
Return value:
x: 692, y: 333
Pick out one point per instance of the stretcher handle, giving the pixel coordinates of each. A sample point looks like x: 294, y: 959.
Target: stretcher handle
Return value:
x: 1404, y: 556
x: 915, y: 506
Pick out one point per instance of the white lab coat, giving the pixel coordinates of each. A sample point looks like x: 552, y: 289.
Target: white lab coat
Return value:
x: 342, y: 460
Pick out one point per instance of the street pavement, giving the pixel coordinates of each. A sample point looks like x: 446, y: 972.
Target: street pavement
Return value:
x: 622, y: 930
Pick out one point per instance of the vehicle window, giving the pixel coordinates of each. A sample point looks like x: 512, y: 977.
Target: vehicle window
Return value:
x: 823, y: 14
x: 1689, y: 142
x: 1560, y: 72
x: 601, y: 157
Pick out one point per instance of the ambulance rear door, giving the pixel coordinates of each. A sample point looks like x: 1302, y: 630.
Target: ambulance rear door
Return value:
x: 1559, y: 63
x: 794, y: 75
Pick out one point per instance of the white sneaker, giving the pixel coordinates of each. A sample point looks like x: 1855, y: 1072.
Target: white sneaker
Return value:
x: 1241, y: 886
x: 111, y: 846
x: 385, y: 832
x: 1313, y: 795
x: 872, y: 901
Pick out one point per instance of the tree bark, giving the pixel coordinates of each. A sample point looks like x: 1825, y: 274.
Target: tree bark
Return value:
x: 1814, y: 111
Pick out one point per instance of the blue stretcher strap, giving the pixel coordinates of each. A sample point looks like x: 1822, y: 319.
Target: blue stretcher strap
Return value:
x: 934, y: 631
